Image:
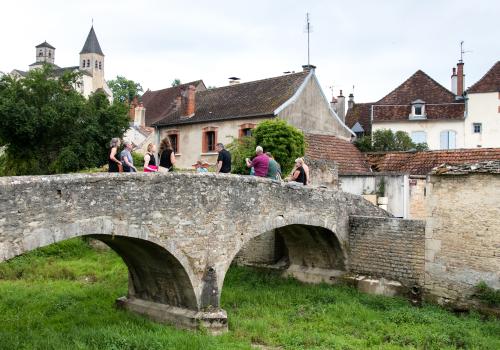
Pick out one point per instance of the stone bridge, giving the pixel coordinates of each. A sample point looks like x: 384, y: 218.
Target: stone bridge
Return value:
x: 178, y: 233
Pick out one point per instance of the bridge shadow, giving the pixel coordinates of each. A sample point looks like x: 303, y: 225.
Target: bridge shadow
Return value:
x: 309, y: 253
x: 154, y: 273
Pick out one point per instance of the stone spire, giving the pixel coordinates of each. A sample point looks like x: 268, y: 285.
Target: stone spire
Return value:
x: 92, y: 44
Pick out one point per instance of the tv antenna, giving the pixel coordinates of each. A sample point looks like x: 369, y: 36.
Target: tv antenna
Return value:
x: 462, y: 51
x: 308, y: 30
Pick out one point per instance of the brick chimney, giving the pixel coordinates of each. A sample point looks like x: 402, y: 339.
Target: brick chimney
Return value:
x: 188, y: 102
x: 341, y: 106
x: 454, y: 81
x: 350, y: 102
x: 308, y: 67
x: 460, y: 78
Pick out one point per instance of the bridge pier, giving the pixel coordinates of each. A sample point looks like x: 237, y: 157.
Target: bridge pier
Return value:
x: 214, y: 321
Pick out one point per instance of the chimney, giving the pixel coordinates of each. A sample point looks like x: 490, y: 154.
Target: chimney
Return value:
x: 308, y: 67
x: 350, y: 103
x: 140, y: 115
x: 188, y: 103
x: 460, y: 78
x: 454, y: 81
x: 341, y: 106
x: 131, y: 112
x: 178, y: 102
x: 234, y: 80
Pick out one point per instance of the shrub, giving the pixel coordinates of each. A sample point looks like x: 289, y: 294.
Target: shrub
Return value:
x: 241, y: 148
x: 487, y: 294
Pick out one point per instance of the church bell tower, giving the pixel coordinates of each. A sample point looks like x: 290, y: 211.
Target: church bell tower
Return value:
x: 92, y: 60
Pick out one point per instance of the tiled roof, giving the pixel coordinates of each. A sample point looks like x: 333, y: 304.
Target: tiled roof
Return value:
x: 160, y: 103
x: 360, y: 113
x: 418, y: 86
x: 45, y: 44
x: 488, y: 167
x: 421, y: 163
x: 252, y: 99
x: 490, y: 82
x: 92, y: 44
x: 348, y: 157
x: 444, y: 111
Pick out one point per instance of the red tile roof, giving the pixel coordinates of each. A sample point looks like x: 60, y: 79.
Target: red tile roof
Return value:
x: 348, y: 157
x: 444, y: 111
x: 421, y: 163
x: 161, y: 102
x: 258, y: 98
x: 360, y: 113
x: 490, y: 82
x: 418, y: 86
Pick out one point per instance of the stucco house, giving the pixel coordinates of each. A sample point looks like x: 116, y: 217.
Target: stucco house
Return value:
x: 196, y: 118
x: 482, y: 126
x: 91, y: 65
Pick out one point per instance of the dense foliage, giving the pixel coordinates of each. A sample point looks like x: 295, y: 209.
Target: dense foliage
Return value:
x: 387, y: 140
x: 62, y: 297
x: 48, y: 127
x: 124, y: 90
x: 241, y: 148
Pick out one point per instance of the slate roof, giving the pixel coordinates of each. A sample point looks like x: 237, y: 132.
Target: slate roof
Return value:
x: 490, y: 82
x: 440, y: 103
x: 45, y: 44
x: 92, y: 44
x: 258, y: 98
x: 360, y: 113
x: 421, y: 163
x: 488, y: 167
x: 160, y: 103
x: 348, y: 157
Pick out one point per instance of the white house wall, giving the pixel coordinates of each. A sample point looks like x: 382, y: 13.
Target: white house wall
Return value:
x: 483, y: 108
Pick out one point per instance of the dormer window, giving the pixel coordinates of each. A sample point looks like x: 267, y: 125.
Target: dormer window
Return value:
x: 418, y: 110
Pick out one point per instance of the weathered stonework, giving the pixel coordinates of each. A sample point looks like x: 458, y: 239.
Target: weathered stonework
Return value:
x: 387, y: 247
x: 462, y: 234
x: 178, y: 233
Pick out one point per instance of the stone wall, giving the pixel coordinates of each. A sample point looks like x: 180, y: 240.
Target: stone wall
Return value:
x: 462, y: 234
x: 417, y: 197
x: 387, y: 247
x: 323, y: 172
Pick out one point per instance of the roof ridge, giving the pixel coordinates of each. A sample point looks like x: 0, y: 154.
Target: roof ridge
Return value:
x: 176, y: 86
x: 258, y: 81
x: 484, y: 76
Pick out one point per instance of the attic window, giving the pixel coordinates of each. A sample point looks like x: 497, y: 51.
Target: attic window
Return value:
x: 418, y: 110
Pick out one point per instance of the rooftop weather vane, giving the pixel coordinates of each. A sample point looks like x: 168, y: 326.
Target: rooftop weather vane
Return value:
x: 308, y: 30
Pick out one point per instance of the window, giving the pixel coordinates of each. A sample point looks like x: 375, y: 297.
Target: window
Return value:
x: 210, y: 135
x: 419, y: 136
x: 95, y: 64
x: 40, y: 53
x: 174, y: 142
x: 477, y: 128
x: 448, y: 139
x: 100, y: 65
x: 209, y: 139
x: 83, y: 64
x: 246, y: 129
x: 50, y: 54
x: 88, y: 63
x: 417, y: 109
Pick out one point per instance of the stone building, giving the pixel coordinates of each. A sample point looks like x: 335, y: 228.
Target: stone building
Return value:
x: 91, y: 65
x: 196, y: 118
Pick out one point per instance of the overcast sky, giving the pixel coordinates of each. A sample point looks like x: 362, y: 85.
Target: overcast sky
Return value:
x: 373, y: 45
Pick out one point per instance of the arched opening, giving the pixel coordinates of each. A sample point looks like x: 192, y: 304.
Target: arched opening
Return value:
x: 154, y: 273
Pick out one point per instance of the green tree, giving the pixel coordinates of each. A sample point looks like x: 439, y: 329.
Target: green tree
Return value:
x: 176, y: 82
x: 387, y: 140
x: 124, y: 90
x: 48, y: 127
x: 285, y: 142
x: 241, y: 148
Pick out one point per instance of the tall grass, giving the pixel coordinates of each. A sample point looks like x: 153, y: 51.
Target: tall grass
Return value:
x: 62, y: 297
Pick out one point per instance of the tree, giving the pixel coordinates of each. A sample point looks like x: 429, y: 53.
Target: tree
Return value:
x: 241, y: 148
x: 124, y: 90
x: 387, y: 140
x: 48, y: 127
x: 285, y: 142
x: 176, y: 82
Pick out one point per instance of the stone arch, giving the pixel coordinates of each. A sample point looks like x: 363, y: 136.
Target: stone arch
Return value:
x: 155, y: 274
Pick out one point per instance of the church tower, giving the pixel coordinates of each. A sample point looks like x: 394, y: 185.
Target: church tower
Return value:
x: 44, y: 53
x: 92, y: 60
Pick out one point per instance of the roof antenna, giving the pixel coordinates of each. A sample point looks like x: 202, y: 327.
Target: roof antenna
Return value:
x: 308, y: 30
x: 462, y: 51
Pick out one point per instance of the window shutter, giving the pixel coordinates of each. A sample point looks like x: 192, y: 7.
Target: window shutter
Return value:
x: 444, y: 139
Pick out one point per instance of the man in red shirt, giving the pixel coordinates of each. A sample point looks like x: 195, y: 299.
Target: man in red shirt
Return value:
x: 260, y: 163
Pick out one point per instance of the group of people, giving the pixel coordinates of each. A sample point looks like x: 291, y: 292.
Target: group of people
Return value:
x: 262, y: 164
x: 124, y: 162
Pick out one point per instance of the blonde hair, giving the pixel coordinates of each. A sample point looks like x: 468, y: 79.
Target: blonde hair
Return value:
x: 150, y: 147
x: 300, y: 160
x: 115, y: 141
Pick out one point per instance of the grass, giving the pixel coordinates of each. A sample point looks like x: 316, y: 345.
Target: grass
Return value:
x: 62, y: 296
